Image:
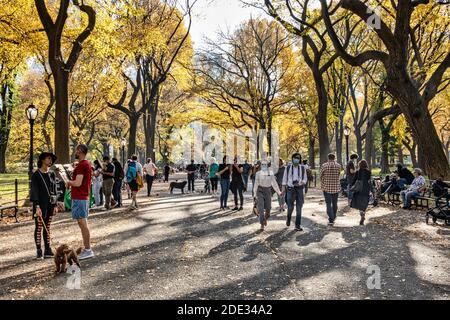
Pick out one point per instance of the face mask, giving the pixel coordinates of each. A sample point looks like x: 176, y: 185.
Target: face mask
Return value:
x: 296, y: 161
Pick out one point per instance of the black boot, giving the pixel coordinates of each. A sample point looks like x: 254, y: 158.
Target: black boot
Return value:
x: 48, y: 253
x: 39, y: 254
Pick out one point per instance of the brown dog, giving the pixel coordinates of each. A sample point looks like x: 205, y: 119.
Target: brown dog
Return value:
x: 65, y: 255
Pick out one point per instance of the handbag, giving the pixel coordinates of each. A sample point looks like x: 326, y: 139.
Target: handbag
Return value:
x: 139, y: 181
x: 357, y: 186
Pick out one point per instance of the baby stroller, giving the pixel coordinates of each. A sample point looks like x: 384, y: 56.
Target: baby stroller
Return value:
x: 442, y: 209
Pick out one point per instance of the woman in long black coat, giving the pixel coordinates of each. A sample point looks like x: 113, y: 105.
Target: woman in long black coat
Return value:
x: 360, y: 199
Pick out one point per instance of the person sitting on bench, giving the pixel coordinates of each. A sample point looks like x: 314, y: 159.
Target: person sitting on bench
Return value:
x: 414, y: 189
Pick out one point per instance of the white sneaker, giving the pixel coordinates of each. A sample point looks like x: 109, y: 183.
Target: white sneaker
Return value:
x: 86, y: 254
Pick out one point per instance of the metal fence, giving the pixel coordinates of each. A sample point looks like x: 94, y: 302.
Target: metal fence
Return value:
x: 12, y: 196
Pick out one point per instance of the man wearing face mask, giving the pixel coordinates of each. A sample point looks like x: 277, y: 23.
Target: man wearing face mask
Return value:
x: 294, y: 181
x: 264, y: 182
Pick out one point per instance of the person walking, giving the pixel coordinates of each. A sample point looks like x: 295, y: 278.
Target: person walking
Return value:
x: 361, y: 188
x: 80, y: 186
x: 150, y: 171
x: 224, y: 175
x: 97, y: 182
x: 213, y: 169
x: 108, y: 183
x: 132, y: 170
x: 265, y: 180
x: 44, y: 197
x: 191, y: 170
x: 279, y: 177
x: 237, y: 185
x: 331, y: 186
x: 294, y: 181
x: 414, y: 190
x: 246, y: 173
x: 254, y: 170
x: 118, y: 181
x: 166, y: 172
x: 350, y: 171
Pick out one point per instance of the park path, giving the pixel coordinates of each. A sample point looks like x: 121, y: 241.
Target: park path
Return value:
x: 182, y: 247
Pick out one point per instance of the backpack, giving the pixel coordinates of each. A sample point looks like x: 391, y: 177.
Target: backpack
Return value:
x: 131, y: 172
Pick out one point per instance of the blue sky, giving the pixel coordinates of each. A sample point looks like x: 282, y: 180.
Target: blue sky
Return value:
x: 213, y: 15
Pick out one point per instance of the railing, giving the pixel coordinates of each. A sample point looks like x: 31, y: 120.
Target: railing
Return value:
x: 11, y: 200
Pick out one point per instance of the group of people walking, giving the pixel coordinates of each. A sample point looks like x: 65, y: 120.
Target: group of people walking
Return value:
x: 104, y: 180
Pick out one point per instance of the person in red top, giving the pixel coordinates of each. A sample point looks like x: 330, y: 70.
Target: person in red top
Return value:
x: 81, y: 187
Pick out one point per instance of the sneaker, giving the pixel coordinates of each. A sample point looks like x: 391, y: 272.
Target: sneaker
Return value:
x: 86, y: 254
x: 235, y: 209
x: 288, y: 223
x: 298, y: 229
x: 39, y: 254
x: 330, y: 224
x: 48, y: 253
x: 240, y: 209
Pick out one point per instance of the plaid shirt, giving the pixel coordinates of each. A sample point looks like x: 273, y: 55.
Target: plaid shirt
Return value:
x: 330, y: 177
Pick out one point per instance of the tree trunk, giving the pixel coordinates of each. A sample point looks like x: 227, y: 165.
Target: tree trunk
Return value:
x: 359, y: 142
x: 311, y: 151
x: 369, y: 146
x: 339, y: 130
x: 6, y: 96
x: 432, y: 158
x: 385, y: 137
x: 400, y: 153
x: 134, y: 119
x: 321, y: 117
x: 62, y: 125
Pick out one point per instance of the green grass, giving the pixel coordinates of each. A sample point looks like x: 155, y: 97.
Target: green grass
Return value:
x: 7, y: 187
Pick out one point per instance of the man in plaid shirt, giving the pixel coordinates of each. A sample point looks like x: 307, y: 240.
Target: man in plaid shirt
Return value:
x: 331, y: 186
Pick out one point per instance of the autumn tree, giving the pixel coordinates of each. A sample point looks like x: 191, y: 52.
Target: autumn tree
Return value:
x: 249, y: 72
x: 412, y: 88
x: 62, y: 65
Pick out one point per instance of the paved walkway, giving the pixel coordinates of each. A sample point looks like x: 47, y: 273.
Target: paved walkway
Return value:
x: 183, y: 247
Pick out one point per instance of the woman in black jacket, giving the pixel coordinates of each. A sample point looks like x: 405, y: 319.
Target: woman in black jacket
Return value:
x: 44, y: 195
x: 361, y: 197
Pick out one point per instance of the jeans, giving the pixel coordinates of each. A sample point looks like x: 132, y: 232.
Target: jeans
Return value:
x: 402, y: 183
x: 224, y: 189
x: 107, y: 189
x: 281, y: 199
x: 166, y: 177
x: 239, y: 191
x: 331, y: 199
x: 117, y: 192
x: 245, y: 178
x: 407, y: 197
x: 214, y: 183
x: 96, y: 189
x: 349, y: 192
x: 295, y: 195
x: 191, y: 180
x: 264, y: 202
x: 149, y: 179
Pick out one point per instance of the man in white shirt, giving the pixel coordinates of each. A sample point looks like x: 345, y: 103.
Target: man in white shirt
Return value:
x: 150, y: 171
x: 295, y: 179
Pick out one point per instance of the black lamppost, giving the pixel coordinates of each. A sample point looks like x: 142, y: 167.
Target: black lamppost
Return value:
x: 347, y: 134
x: 32, y: 113
x: 122, y: 144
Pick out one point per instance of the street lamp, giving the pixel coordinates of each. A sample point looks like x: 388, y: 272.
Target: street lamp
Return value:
x: 122, y: 144
x: 32, y: 113
x: 347, y: 134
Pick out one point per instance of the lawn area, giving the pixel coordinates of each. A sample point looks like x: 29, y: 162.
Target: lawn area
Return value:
x: 7, y: 186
